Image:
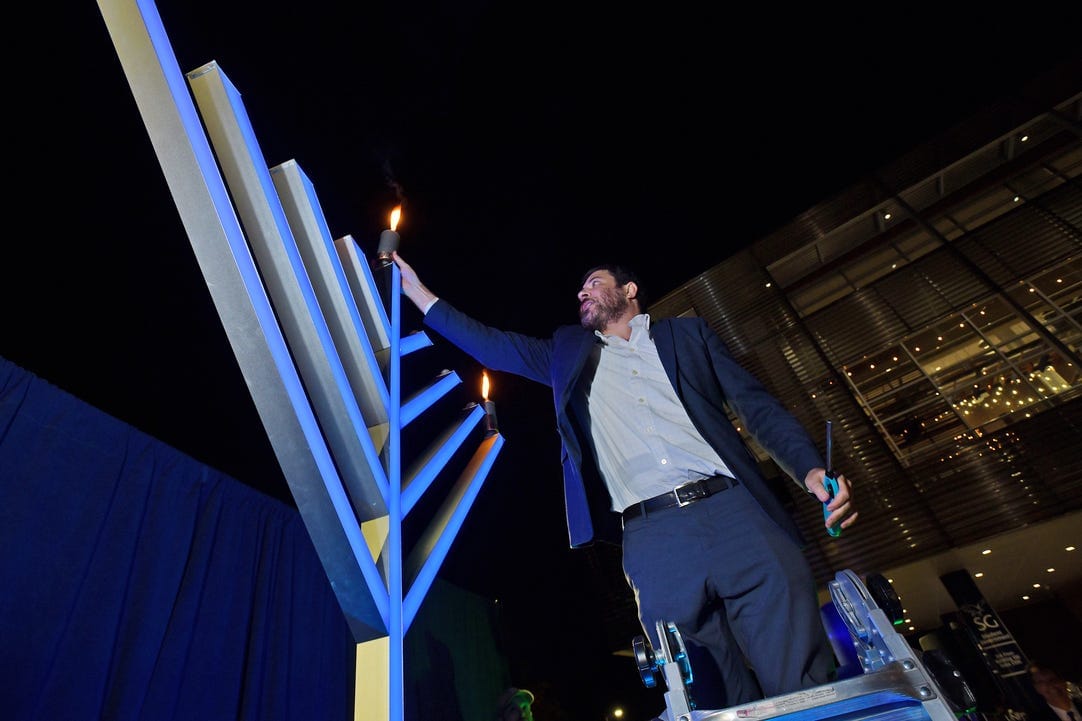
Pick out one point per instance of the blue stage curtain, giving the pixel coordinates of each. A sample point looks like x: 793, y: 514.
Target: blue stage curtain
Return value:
x: 137, y: 583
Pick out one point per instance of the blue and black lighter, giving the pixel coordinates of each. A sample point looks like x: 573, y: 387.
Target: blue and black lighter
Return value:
x: 830, y: 481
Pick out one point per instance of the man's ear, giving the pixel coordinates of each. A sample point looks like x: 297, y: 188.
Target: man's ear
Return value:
x: 631, y: 289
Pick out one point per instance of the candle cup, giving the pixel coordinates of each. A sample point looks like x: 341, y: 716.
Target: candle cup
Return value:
x: 491, y: 428
x: 388, y: 244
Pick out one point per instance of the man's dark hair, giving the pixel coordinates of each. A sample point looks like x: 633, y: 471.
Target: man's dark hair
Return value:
x: 623, y: 276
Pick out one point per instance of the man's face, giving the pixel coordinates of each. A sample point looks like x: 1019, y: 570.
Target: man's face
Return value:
x: 601, y: 301
x: 1046, y: 682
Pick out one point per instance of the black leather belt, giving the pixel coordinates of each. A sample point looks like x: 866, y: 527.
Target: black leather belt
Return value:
x: 680, y: 496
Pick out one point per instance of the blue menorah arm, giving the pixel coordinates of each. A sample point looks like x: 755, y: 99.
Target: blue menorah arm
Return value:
x: 431, y: 549
x: 413, y: 342
x: 429, y: 464
x: 419, y: 402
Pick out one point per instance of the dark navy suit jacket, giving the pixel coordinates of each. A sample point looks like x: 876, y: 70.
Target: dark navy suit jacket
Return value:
x: 705, y: 376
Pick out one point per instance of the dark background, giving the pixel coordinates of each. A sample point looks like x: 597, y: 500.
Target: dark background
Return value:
x: 526, y: 143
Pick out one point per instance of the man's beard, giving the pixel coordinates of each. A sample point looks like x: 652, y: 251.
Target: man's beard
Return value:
x: 611, y: 305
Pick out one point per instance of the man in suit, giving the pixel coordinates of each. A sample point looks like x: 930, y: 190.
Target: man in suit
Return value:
x: 1056, y: 692
x: 649, y: 452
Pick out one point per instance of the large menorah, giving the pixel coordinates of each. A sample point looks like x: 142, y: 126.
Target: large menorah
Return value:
x: 318, y: 347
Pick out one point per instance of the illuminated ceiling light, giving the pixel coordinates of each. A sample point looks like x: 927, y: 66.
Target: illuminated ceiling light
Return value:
x: 1023, y: 138
x: 986, y: 551
x: 1016, y: 198
x: 978, y: 574
x: 1036, y: 585
x: 768, y: 284
x: 1069, y: 548
x: 1025, y: 598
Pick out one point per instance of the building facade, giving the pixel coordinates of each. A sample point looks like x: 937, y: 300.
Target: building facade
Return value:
x: 933, y: 314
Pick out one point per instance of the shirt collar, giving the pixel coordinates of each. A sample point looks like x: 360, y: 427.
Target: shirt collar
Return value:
x: 642, y: 320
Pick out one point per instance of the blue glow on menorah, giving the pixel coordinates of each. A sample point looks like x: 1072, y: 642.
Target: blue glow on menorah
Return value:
x: 314, y: 340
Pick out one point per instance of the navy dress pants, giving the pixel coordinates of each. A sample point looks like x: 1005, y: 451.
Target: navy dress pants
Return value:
x: 735, y: 585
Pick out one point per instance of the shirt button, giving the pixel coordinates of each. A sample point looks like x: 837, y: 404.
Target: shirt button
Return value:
x: 642, y: 400
x: 634, y: 373
x: 664, y: 461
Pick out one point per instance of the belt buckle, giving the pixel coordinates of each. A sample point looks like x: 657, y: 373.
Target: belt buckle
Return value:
x: 698, y: 492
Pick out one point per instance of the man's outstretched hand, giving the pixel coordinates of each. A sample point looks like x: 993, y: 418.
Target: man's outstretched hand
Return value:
x: 412, y: 287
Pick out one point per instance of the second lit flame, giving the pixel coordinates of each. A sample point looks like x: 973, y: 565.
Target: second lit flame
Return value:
x: 396, y: 215
x: 484, y: 385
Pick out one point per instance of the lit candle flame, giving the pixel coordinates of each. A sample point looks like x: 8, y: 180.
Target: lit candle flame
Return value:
x: 490, y: 408
x: 396, y: 215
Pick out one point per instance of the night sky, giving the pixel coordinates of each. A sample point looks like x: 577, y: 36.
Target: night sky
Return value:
x: 526, y: 143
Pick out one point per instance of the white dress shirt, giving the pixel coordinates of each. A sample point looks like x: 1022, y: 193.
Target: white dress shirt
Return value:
x: 645, y: 442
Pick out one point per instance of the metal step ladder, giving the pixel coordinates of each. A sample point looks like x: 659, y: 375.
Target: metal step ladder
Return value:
x: 895, y: 683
